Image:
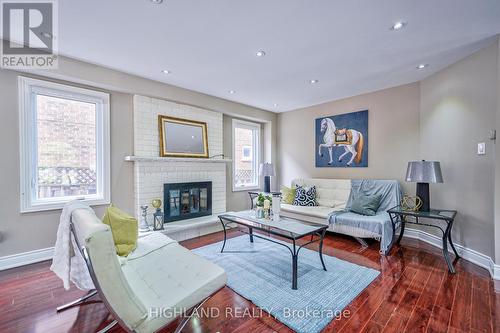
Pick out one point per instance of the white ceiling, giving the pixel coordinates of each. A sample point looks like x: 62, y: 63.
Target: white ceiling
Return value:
x: 210, y: 46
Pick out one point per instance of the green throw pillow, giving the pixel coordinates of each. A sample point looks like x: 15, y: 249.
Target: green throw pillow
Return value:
x: 124, y: 229
x: 288, y: 194
x: 366, y: 204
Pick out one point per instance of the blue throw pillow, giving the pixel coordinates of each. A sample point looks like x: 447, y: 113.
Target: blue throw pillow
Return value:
x: 305, y: 196
x: 366, y: 204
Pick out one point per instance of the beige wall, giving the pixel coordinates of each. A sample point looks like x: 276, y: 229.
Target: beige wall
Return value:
x: 458, y: 109
x: 392, y: 128
x: 440, y: 118
x: 32, y: 231
x: 497, y: 164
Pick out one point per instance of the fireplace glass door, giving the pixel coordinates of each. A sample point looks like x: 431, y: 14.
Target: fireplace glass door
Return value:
x: 187, y: 200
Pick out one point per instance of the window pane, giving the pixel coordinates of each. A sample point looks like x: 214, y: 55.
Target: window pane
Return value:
x: 244, y: 173
x: 246, y: 154
x: 66, y: 146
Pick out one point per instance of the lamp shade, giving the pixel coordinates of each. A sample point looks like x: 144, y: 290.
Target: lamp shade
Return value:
x: 424, y: 172
x: 267, y: 169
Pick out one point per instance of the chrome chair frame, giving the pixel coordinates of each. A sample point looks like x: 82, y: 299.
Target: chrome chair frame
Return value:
x: 98, y: 291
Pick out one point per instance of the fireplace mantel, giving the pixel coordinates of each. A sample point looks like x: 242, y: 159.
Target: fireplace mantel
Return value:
x: 151, y: 171
x: 132, y: 158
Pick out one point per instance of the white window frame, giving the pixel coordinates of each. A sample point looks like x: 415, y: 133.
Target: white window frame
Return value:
x: 28, y: 89
x: 255, y: 154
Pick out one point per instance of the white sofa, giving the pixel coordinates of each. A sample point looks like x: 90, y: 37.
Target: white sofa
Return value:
x: 331, y: 196
x: 137, y: 291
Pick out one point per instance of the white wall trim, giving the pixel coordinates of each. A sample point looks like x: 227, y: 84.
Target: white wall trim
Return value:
x: 473, y: 256
x: 26, y: 258
x: 496, y: 271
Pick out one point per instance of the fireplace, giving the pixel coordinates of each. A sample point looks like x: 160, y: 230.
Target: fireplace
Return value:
x: 187, y: 200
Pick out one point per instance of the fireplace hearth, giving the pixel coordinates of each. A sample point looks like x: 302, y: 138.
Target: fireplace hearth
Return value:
x: 187, y: 200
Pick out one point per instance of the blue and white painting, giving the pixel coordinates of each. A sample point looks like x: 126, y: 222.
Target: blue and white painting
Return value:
x: 342, y: 140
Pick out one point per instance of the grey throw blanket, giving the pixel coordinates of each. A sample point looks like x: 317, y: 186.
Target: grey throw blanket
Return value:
x: 379, y: 224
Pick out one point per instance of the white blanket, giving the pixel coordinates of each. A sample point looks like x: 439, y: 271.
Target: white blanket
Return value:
x: 68, y: 263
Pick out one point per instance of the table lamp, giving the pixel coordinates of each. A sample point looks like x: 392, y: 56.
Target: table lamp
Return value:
x: 267, y: 170
x: 424, y: 172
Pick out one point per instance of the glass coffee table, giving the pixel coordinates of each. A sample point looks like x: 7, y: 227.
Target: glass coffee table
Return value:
x: 288, y: 228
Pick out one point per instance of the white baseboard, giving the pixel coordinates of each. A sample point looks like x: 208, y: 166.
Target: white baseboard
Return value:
x: 26, y: 258
x: 496, y: 271
x: 473, y: 256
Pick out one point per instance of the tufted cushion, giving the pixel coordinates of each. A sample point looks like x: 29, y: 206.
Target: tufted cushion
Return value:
x: 316, y: 211
x: 305, y: 196
x: 329, y: 192
x: 172, y: 276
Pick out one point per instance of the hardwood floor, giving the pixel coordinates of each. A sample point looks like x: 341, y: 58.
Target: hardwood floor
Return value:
x: 414, y: 293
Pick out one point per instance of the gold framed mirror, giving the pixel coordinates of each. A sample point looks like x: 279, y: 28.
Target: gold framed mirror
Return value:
x: 182, y: 137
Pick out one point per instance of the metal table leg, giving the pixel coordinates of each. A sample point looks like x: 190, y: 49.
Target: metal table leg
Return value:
x: 445, y: 249
x: 224, y: 229
x: 321, y: 249
x: 451, y: 242
x: 402, y: 228
x: 294, y: 267
x: 250, y: 233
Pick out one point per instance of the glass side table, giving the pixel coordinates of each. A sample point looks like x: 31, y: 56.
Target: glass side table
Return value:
x: 445, y: 215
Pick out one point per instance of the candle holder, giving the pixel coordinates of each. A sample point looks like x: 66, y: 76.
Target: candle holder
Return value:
x: 158, y: 215
x: 143, y: 225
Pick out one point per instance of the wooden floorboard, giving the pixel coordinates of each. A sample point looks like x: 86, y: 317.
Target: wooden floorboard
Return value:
x: 413, y: 293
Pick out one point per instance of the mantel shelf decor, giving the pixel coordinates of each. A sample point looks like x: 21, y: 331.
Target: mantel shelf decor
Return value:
x: 132, y: 158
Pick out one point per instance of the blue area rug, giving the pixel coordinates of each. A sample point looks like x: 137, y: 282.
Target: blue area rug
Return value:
x: 261, y: 272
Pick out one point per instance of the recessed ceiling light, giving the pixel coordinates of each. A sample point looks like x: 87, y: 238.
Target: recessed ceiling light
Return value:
x: 275, y: 105
x: 260, y: 53
x: 166, y: 71
x: 398, y: 26
x: 232, y: 92
x: 157, y: 2
x: 422, y: 66
x: 313, y: 81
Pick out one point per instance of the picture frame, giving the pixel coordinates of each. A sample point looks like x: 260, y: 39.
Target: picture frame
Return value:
x: 342, y: 140
x: 182, y: 137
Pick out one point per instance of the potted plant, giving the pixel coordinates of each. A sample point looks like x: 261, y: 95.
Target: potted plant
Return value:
x: 263, y: 204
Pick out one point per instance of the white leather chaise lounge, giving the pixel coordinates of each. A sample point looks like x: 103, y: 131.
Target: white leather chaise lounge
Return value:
x: 139, y: 292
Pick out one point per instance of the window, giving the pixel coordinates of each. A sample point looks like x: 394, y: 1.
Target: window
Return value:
x: 245, y: 155
x: 64, y: 138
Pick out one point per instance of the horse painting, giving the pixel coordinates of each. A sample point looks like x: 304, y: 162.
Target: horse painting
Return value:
x: 352, y: 140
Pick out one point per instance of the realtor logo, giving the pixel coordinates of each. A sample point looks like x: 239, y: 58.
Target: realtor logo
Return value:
x: 29, y: 38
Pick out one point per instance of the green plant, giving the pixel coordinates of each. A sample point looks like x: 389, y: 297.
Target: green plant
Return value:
x: 260, y: 199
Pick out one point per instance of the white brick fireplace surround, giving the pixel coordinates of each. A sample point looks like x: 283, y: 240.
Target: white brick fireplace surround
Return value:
x: 152, y: 171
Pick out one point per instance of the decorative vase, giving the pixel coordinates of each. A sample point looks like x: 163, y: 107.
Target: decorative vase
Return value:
x: 259, y: 212
x: 276, y: 205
